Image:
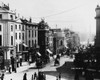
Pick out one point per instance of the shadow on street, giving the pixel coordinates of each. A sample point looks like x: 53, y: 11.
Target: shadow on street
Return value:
x: 65, y: 71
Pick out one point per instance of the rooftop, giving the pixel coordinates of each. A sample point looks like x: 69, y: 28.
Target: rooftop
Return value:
x: 98, y: 7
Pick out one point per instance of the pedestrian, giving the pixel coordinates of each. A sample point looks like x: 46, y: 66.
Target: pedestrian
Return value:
x: 15, y: 65
x: 17, y: 62
x: 44, y: 76
x: 59, y: 76
x: 35, y: 75
x: 20, y: 60
x: 56, y: 77
x: 29, y: 61
x: 10, y: 69
x: 32, y: 78
x: 2, y: 77
x: 25, y: 77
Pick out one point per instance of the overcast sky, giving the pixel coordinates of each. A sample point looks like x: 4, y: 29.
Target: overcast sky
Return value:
x: 77, y: 15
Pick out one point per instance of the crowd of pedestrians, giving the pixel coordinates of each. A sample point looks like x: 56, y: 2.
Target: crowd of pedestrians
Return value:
x: 39, y: 76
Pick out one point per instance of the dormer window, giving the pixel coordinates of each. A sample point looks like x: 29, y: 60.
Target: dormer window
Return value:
x: 11, y: 16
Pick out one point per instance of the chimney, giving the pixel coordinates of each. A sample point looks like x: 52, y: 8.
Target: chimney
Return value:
x: 30, y: 20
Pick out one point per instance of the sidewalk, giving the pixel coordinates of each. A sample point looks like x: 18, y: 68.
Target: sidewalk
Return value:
x: 25, y: 66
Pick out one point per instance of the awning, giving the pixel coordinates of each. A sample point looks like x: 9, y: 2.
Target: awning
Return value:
x: 25, y: 45
x: 49, y: 51
x: 38, y: 53
x: 66, y: 47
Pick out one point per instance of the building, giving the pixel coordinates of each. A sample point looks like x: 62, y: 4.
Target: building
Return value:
x: 17, y: 36
x: 43, y: 39
x: 97, y: 40
x: 51, y: 49
x: 72, y: 39
x: 7, y: 32
x: 58, y: 41
x: 31, y: 37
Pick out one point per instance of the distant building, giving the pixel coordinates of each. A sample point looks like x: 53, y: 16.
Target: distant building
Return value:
x: 72, y: 39
x: 58, y: 41
x: 51, y: 40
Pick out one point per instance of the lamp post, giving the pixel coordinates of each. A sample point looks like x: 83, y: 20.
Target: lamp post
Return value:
x: 37, y: 49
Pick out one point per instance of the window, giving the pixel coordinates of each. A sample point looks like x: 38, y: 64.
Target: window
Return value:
x: 11, y: 16
x: 32, y: 43
x: 0, y: 16
x: 29, y: 43
x: 11, y: 27
x: 29, y: 33
x: 16, y: 47
x: 15, y: 26
x: 16, y: 35
x: 32, y: 33
x: 19, y: 27
x: 23, y: 36
x: 0, y: 28
x: 19, y: 35
x: 35, y: 33
x: 0, y: 40
x: 23, y: 27
x: 11, y: 40
x: 20, y: 47
x: 35, y: 43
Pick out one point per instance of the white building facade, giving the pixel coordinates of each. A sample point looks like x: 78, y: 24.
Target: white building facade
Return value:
x: 7, y: 32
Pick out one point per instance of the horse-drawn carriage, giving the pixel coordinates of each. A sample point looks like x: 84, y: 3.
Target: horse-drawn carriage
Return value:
x: 39, y: 63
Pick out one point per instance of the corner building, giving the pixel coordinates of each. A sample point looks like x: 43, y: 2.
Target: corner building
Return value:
x: 7, y: 33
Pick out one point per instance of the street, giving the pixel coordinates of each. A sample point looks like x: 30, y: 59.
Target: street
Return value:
x: 50, y: 70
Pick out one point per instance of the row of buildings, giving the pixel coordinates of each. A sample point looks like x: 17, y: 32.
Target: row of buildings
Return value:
x: 22, y: 37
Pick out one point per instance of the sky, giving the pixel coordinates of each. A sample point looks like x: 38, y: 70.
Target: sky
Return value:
x: 77, y: 15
